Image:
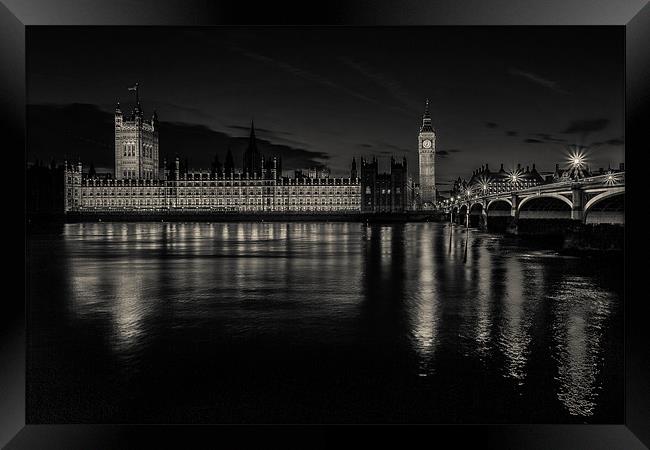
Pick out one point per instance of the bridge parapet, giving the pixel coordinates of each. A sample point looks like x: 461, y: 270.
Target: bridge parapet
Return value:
x: 580, y: 195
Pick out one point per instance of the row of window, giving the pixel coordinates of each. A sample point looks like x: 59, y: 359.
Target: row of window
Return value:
x: 220, y: 192
x: 129, y: 149
x: 220, y: 202
x: 383, y: 191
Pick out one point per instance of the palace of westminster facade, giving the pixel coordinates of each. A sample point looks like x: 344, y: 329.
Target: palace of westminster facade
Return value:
x: 140, y: 184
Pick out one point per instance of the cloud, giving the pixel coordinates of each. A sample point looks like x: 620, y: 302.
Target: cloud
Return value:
x: 193, y: 113
x: 537, y: 79
x: 393, y: 87
x: 616, y: 141
x: 585, y: 126
x: 85, y: 131
x: 491, y: 124
x: 302, y: 73
x: 263, y: 130
x: 447, y: 152
x: 612, y: 142
x: 511, y: 133
x: 547, y: 137
x: 533, y: 141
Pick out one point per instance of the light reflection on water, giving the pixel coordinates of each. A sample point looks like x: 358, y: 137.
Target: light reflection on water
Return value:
x: 578, y: 328
x: 429, y: 307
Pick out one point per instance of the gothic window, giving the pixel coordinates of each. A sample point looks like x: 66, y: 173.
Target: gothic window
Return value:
x: 368, y: 190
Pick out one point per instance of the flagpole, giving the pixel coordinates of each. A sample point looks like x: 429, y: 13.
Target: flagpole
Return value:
x: 137, y: 95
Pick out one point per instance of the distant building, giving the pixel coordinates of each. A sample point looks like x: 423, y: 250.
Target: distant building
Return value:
x: 142, y: 185
x: 485, y: 182
x: 319, y: 172
x: 427, y: 160
x: 136, y: 144
x: 384, y: 192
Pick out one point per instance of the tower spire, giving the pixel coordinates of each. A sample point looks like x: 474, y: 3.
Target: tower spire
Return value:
x: 426, y: 119
x: 136, y: 88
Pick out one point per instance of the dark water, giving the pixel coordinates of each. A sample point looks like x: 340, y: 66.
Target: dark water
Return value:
x: 317, y: 322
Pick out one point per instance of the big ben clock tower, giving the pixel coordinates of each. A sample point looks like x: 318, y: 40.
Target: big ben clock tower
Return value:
x: 426, y: 158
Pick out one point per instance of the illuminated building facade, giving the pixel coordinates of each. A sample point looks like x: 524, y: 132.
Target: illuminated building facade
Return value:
x: 427, y: 160
x: 258, y: 187
x: 486, y: 182
x: 136, y: 144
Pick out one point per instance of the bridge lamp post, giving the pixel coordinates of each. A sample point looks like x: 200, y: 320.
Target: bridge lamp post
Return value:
x: 610, y: 180
x: 577, y: 162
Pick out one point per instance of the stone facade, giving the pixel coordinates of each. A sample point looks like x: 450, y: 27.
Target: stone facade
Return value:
x: 384, y: 192
x: 136, y: 145
x: 486, y: 182
x: 141, y: 184
x: 202, y: 191
x: 427, y: 160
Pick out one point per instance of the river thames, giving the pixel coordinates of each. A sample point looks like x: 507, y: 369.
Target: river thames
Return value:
x: 319, y: 323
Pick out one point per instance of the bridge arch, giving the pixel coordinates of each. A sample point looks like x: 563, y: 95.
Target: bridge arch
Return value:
x: 506, y: 200
x: 606, y: 208
x: 602, y: 196
x: 462, y: 214
x: 476, y: 211
x: 498, y: 214
x: 549, y: 195
x: 545, y: 207
x: 479, y: 204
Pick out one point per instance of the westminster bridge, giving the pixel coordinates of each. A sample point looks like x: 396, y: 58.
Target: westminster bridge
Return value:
x: 591, y: 200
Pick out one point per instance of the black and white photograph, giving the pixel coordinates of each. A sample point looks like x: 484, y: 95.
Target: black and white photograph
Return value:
x: 292, y: 224
x: 326, y: 225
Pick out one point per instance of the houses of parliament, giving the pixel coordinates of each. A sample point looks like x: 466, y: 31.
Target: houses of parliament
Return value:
x: 143, y: 183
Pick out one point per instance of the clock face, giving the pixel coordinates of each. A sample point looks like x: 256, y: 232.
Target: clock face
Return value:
x: 426, y: 143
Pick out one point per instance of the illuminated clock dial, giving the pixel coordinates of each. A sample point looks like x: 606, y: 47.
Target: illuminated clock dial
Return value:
x: 426, y: 143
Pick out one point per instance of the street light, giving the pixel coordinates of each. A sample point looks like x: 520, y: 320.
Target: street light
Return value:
x: 611, y: 179
x: 577, y: 160
x: 514, y: 176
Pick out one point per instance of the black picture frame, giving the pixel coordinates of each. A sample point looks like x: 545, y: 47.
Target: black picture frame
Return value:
x: 17, y: 15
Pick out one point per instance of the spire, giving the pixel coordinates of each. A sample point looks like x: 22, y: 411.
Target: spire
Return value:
x: 426, y: 119
x: 229, y: 165
x: 252, y: 158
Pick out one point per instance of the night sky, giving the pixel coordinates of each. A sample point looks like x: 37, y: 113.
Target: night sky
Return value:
x: 322, y: 95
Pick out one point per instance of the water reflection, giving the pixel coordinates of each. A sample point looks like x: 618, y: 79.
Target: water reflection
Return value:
x: 580, y: 315
x: 423, y: 297
x: 514, y: 338
x: 375, y: 317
